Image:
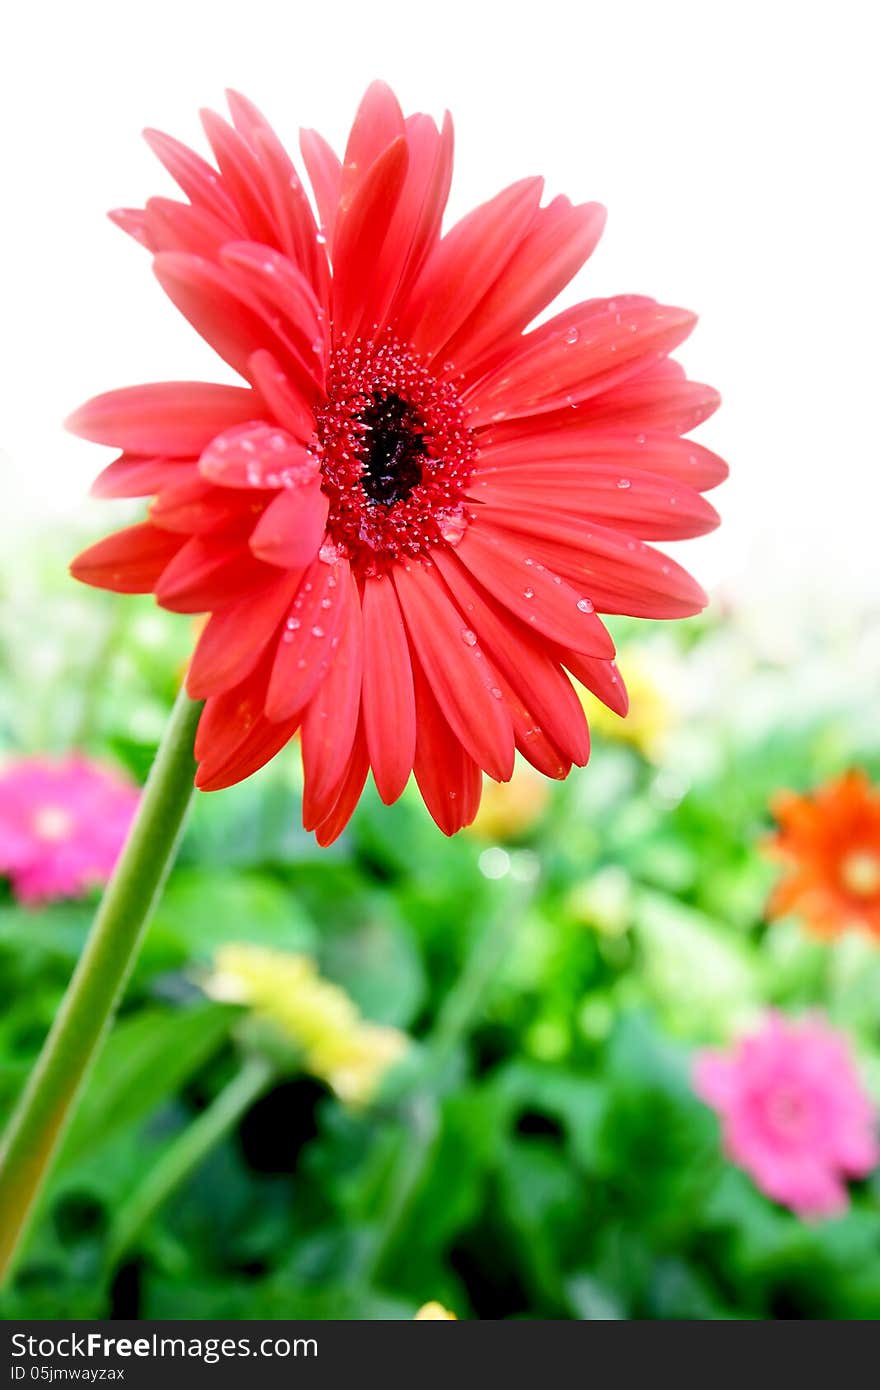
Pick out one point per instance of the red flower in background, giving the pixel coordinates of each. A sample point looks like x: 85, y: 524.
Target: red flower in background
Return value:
x: 829, y: 843
x: 405, y: 525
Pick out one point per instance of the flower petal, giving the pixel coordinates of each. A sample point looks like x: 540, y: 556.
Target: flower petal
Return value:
x: 201, y: 184
x: 505, y: 566
x: 580, y: 444
x: 578, y: 354
x: 533, y: 675
x: 236, y: 636
x: 291, y: 529
x: 256, y: 455
x: 177, y: 418
x: 290, y: 408
x: 133, y: 476
x: 560, y: 240
x: 325, y: 175
x: 130, y: 561
x: 348, y: 796
x: 361, y: 230
x: 331, y: 720
x: 209, y: 572
x: 389, y: 711
x: 644, y: 505
x: 468, y: 258
x: 448, y: 778
x: 462, y: 679
x: 309, y: 639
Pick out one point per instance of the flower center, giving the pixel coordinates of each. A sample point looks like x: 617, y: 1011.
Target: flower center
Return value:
x: 394, y: 447
x: 787, y: 1112
x: 396, y: 455
x: 860, y: 873
x: 52, y: 823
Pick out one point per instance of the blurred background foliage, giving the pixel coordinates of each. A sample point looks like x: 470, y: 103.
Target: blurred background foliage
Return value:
x: 521, y: 1005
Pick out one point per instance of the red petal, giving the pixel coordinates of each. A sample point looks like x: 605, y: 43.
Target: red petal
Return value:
x: 234, y: 738
x: 580, y: 444
x: 643, y: 504
x: 290, y: 408
x: 177, y: 418
x: 256, y: 455
x: 218, y: 308
x: 377, y: 124
x: 602, y: 677
x: 652, y: 402
x: 361, y: 230
x: 284, y: 290
x: 173, y: 226
x: 560, y: 240
x: 290, y: 531
x: 465, y: 262
x: 622, y: 575
x: 349, y: 795
x: 389, y: 710
x: 208, y: 573
x: 449, y: 780
x: 242, y: 177
x: 331, y: 719
x: 194, y: 506
x: 578, y: 354
x: 292, y: 214
x: 325, y: 173
x: 506, y: 567
x: 129, y: 561
x: 133, y: 476
x: 132, y: 221
x: 201, y: 184
x: 309, y: 640
x: 235, y: 637
x: 463, y: 681
x: 533, y: 675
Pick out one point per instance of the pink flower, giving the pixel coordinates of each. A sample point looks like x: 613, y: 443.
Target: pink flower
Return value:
x: 62, y: 824
x: 793, y: 1112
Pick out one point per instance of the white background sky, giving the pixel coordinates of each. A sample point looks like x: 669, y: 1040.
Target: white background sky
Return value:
x: 734, y: 145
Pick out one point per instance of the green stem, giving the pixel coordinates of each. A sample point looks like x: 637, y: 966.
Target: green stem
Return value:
x: 46, y: 1106
x: 186, y: 1152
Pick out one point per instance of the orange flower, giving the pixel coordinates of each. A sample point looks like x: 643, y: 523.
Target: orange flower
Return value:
x: 830, y: 841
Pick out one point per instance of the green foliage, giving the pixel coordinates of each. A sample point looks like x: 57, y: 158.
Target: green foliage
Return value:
x: 541, y: 1152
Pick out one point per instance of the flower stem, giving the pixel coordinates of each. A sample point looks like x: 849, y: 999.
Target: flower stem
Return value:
x: 187, y: 1151
x: 81, y: 1023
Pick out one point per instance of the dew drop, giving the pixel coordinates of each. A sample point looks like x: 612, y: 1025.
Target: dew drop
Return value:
x: 528, y: 593
x: 624, y: 483
x: 468, y: 637
x: 572, y: 335
x: 584, y: 605
x: 317, y: 631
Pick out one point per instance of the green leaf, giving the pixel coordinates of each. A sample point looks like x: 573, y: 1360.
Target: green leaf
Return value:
x: 146, y: 1059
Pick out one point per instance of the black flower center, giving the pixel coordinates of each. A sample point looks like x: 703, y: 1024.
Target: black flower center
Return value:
x: 393, y: 449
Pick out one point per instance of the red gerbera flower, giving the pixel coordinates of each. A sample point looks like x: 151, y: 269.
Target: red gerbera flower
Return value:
x: 405, y: 525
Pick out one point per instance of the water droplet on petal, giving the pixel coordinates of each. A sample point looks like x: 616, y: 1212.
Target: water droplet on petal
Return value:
x: 624, y: 483
x: 468, y: 637
x: 585, y: 605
